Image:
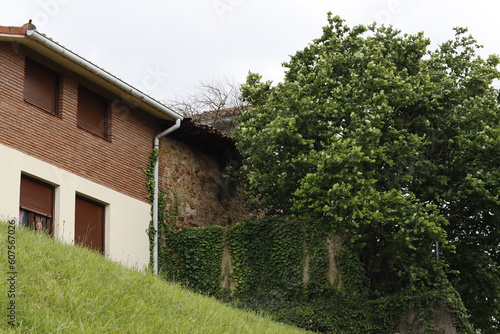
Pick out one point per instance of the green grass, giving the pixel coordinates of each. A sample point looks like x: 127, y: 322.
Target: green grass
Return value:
x: 69, y: 289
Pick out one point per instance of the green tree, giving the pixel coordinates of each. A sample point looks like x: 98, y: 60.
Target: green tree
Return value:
x: 393, y: 146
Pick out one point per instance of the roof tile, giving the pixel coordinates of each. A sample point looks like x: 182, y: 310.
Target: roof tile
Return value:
x: 13, y: 30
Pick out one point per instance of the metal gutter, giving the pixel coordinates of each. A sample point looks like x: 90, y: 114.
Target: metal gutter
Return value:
x: 99, y: 72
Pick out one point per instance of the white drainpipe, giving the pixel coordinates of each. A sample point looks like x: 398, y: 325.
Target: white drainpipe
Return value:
x: 156, y: 191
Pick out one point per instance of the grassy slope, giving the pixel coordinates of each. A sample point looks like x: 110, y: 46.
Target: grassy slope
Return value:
x: 68, y: 289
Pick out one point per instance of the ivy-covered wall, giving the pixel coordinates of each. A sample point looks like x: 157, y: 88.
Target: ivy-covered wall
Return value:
x: 303, y: 277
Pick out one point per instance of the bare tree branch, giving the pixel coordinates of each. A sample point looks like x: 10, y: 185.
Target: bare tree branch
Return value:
x: 208, y: 95
x: 214, y: 102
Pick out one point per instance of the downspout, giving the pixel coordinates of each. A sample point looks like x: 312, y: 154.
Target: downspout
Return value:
x: 156, y: 191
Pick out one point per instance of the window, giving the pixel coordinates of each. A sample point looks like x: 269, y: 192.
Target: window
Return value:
x: 92, y: 112
x: 89, y: 224
x: 36, y: 205
x: 41, y: 86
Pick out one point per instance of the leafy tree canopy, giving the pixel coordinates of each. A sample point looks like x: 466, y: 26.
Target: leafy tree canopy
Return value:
x: 393, y: 146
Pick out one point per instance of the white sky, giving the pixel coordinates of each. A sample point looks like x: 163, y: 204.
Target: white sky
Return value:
x: 165, y: 48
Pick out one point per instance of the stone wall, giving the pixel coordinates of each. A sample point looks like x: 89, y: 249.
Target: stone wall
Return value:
x: 195, y: 176
x: 440, y: 320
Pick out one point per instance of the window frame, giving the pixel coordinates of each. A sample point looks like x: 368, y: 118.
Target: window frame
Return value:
x: 34, y: 221
x: 84, y: 93
x: 39, y: 217
x: 38, y: 76
x: 83, y: 235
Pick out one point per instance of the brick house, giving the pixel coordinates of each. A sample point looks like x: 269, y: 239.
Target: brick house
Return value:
x: 73, y: 142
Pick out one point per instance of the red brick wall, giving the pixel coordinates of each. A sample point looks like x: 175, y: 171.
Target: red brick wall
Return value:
x: 115, y: 162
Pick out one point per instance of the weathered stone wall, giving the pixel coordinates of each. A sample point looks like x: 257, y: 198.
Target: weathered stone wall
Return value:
x: 195, y: 176
x: 441, y: 321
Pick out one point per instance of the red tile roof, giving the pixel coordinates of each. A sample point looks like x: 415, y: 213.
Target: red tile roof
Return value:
x: 208, y: 117
x: 207, y: 139
x: 13, y: 30
x: 193, y: 128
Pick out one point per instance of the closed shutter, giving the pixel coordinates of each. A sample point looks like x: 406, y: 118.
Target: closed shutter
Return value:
x: 41, y: 86
x: 37, y: 197
x: 92, y: 112
x: 89, y: 224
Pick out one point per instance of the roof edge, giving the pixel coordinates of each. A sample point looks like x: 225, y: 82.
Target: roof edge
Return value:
x: 97, y: 71
x: 28, y: 36
x: 13, y: 30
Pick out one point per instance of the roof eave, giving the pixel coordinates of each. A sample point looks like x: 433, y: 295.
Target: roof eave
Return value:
x: 70, y: 60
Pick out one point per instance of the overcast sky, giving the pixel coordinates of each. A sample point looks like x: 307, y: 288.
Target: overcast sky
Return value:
x: 165, y: 48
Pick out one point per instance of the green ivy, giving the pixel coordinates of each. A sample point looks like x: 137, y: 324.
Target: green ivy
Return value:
x: 200, y: 258
x: 167, y: 222
x: 268, y: 258
x: 315, y: 242
x: 150, y: 185
x: 193, y: 257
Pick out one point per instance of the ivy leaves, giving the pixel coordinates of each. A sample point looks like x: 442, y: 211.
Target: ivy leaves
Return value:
x: 393, y: 146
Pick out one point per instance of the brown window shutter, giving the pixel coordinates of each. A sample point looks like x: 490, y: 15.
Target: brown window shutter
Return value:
x: 37, y: 197
x: 41, y: 86
x: 92, y: 112
x: 89, y: 224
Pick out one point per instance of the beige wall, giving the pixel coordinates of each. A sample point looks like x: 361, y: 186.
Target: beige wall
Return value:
x: 126, y: 218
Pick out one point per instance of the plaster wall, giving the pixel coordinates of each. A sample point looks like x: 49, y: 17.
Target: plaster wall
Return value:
x: 126, y: 218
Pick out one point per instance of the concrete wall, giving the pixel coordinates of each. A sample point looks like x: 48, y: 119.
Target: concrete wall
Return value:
x: 126, y: 218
